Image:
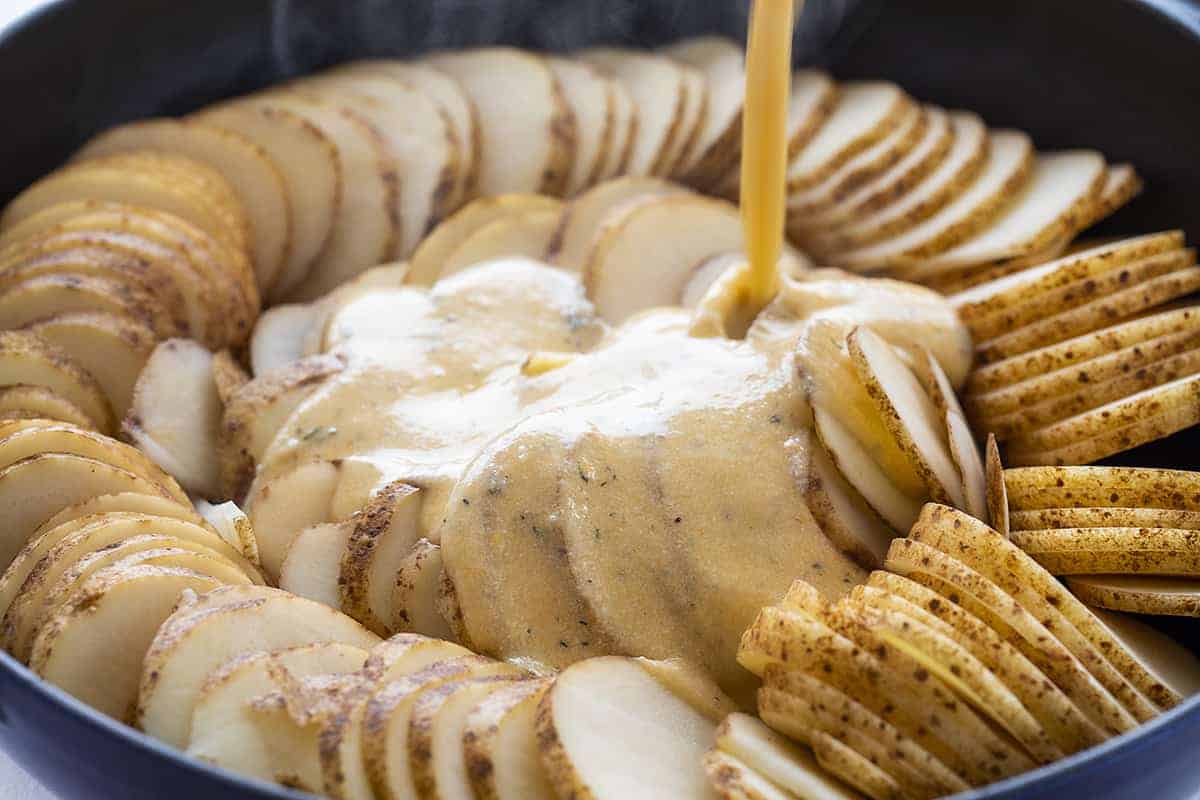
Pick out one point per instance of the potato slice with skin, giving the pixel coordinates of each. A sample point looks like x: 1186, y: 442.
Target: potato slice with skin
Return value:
x: 175, y: 415
x: 959, y: 170
x: 36, y: 487
x: 29, y: 360
x: 526, y: 236
x: 864, y: 113
x: 590, y: 97
x: 625, y: 128
x: 500, y: 746
x: 194, y: 641
x: 38, y: 402
x: 1115, y: 551
x: 257, y: 411
x: 455, y: 105
x: 889, y: 186
x: 251, y: 173
x: 74, y: 649
x: 414, y: 600
x: 695, y: 104
x: 794, y: 770
x: 999, y: 515
x: 398, y: 659
x: 418, y: 138
x: 152, y: 504
x: 40, y: 564
x: 44, y: 436
x: 113, y: 349
x: 851, y: 767
x: 585, y: 216
x: 228, y: 374
x: 1102, y: 487
x: 426, y: 262
x: 385, y: 729
x: 843, y: 514
x: 1084, y: 517
x: 279, y: 336
x: 690, y: 684
x: 1066, y: 723
x: 1016, y: 573
x: 860, y: 471
x: 44, y: 295
x: 717, y: 148
x: 364, y: 226
x: 310, y: 566
x: 311, y: 168
x: 285, y: 505
x: 1054, y: 204
x: 232, y: 525
x: 435, y: 734
x: 1139, y: 594
x: 980, y: 596
x: 959, y: 440
x: 608, y: 729
x: 227, y: 732
x: 491, y: 77
x: 656, y: 85
x: 733, y: 780
x: 1175, y: 667
x: 909, y: 413
x: 1010, y: 162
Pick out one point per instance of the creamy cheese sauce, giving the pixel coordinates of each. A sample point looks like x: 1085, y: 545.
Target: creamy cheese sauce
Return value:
x: 642, y: 498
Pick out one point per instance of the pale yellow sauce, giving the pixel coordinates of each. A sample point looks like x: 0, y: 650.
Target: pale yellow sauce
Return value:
x: 639, y: 499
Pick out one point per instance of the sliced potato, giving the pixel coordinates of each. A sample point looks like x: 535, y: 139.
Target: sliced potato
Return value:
x: 863, y: 114
x: 1010, y: 162
x: 606, y: 728
x: 232, y: 525
x: 733, y: 780
x: 38, y: 402
x: 1139, y: 594
x: 364, y: 226
x: 1172, y: 667
x: 528, y: 235
x: 29, y: 360
x: 695, y: 101
x: 542, y: 121
x: 311, y: 168
x: 999, y: 515
x: 196, y: 640
x: 1115, y: 551
x: 310, y: 565
x: 426, y: 262
x: 585, y: 216
x: 590, y: 97
x: 1102, y: 487
x: 285, y: 505
x: 45, y: 295
x: 176, y: 413
x: 770, y: 755
x: 415, y: 590
x: 625, y: 127
x: 418, y: 136
x: 855, y: 770
x: 250, y: 171
x: 959, y: 440
x: 1085, y: 517
x: 718, y: 147
x: 133, y: 502
x: 500, y: 746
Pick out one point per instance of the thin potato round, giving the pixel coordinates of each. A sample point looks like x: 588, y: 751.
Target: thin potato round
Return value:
x: 1137, y: 594
x: 38, y: 402
x: 46, y: 295
x: 29, y: 360
x: 590, y: 97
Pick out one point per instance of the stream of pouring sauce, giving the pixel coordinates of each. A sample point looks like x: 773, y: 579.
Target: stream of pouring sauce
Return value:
x: 645, y: 497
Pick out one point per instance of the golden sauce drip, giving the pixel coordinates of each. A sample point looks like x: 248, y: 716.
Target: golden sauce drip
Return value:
x: 764, y: 143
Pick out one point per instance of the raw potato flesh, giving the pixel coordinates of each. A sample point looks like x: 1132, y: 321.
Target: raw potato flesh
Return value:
x: 415, y: 589
x: 733, y: 780
x: 962, y: 165
x: 38, y: 402
x: 999, y: 515
x: 29, y: 360
x: 232, y: 525
x: 311, y: 168
x: 227, y: 731
x: 690, y: 684
x: 154, y: 505
x: 625, y: 126
x: 864, y: 113
x: 590, y: 97
x: 645, y: 258
x: 250, y: 171
x: 288, y: 504
x: 526, y: 236
x: 695, y: 102
x: 424, y: 153
x: 75, y: 652
x: 1174, y: 667
x: 1139, y: 594
x: 860, y: 470
x: 657, y: 86
x: 909, y: 413
x: 197, y: 640
x: 500, y: 745
x: 541, y: 121
x: 717, y: 146
x: 1008, y: 167
x: 426, y: 263
x: 364, y: 228
x: 1054, y: 203
x: 794, y: 770
x: 609, y: 730
x: 586, y: 216
x: 176, y: 414
x: 310, y: 566
x: 279, y: 336
x: 30, y: 299
x: 382, y: 535
x: 960, y: 440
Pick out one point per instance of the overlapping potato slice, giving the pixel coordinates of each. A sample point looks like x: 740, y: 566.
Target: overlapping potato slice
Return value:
x: 542, y: 121
x: 787, y: 767
x: 591, y: 98
x: 717, y: 146
x: 37, y: 402
x: 247, y: 167
x: 528, y: 235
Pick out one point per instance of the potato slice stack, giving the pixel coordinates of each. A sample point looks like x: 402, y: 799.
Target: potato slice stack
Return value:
x: 1126, y: 538
x: 964, y: 663
x: 1088, y: 355
x: 99, y: 543
x: 889, y: 435
x: 109, y: 255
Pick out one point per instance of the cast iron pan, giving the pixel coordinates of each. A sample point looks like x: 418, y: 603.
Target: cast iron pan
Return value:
x: 1122, y: 76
